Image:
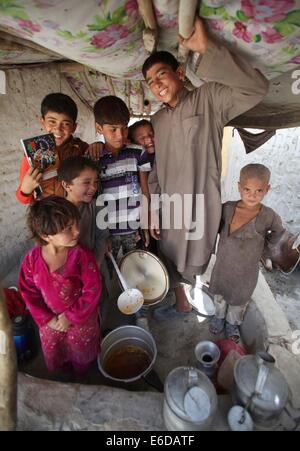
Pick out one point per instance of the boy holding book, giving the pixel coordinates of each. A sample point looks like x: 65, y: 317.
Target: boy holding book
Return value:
x: 58, y: 116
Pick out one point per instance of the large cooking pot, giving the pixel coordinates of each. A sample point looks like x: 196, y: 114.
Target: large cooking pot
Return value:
x: 127, y: 354
x: 261, y: 388
x: 144, y: 271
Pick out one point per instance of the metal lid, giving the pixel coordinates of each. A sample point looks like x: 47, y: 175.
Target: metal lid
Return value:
x: 201, y: 300
x: 239, y: 419
x: 197, y: 404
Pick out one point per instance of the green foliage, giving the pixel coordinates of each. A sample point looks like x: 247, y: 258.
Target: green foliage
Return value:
x: 242, y: 16
x: 10, y: 8
x: 100, y: 23
x: 118, y: 15
x: 65, y: 34
x: 256, y: 38
x: 207, y: 11
x: 284, y: 28
x: 82, y: 35
x: 293, y: 18
x: 138, y: 26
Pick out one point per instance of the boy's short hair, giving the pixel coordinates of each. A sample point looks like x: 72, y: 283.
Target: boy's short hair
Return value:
x: 133, y: 128
x: 160, y: 57
x: 256, y: 171
x: 72, y: 167
x: 59, y: 103
x: 50, y: 216
x: 111, y: 110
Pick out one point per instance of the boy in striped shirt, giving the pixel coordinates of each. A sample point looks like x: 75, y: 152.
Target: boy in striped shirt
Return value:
x: 123, y: 174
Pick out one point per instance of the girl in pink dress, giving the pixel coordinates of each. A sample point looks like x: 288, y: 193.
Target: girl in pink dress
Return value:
x: 60, y: 284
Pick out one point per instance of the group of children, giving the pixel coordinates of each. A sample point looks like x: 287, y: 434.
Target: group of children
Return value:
x: 59, y: 278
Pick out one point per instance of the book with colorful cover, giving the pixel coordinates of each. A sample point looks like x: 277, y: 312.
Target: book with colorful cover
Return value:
x: 41, y: 153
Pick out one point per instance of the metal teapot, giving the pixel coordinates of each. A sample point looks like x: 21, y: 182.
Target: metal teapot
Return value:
x: 261, y: 388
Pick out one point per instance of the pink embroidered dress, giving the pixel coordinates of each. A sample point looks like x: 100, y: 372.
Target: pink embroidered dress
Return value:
x: 74, y: 289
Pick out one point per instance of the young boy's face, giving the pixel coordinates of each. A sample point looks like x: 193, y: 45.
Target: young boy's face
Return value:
x: 252, y: 191
x: 68, y: 237
x: 61, y: 125
x: 83, y: 187
x: 115, y: 135
x: 165, y: 83
x: 144, y: 136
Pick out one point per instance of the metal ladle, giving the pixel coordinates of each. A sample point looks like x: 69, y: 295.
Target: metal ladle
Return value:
x: 132, y: 299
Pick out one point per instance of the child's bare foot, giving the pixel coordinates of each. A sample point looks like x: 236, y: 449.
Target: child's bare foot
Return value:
x: 216, y: 325
x: 232, y: 332
x: 182, y: 304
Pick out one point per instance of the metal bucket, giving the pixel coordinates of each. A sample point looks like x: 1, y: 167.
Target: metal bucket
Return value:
x: 125, y: 340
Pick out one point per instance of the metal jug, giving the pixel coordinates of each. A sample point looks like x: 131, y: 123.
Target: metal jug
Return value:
x: 190, y: 401
x: 261, y: 388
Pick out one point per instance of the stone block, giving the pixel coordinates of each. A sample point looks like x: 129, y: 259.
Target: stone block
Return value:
x: 290, y: 368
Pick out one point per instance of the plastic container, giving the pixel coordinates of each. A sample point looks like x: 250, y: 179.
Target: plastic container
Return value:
x: 24, y: 337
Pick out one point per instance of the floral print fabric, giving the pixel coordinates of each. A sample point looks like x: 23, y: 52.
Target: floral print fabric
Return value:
x: 106, y: 36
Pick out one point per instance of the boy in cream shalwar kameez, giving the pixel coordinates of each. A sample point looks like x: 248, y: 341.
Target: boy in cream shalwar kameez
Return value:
x: 188, y: 140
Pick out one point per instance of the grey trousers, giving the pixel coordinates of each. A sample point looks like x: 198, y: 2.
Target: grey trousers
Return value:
x: 234, y: 314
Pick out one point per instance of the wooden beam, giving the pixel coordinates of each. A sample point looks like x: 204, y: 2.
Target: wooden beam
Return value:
x: 186, y: 17
x: 150, y: 33
x: 71, y: 67
x: 8, y: 371
x: 13, y: 40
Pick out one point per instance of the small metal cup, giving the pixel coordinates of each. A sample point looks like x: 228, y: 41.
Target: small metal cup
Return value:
x: 207, y: 355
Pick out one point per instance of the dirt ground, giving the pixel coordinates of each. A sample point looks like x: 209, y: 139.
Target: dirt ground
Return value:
x: 286, y: 290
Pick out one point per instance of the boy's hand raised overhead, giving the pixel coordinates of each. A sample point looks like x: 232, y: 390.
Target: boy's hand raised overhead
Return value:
x: 31, y: 180
x: 198, y: 40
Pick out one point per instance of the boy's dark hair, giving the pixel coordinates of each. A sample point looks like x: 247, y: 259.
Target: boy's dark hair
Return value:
x: 72, y: 167
x: 111, y: 110
x: 160, y: 57
x: 133, y: 128
x: 50, y: 216
x: 59, y: 103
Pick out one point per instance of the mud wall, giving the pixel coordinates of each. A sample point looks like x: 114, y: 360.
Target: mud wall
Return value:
x: 19, y: 114
x: 281, y: 154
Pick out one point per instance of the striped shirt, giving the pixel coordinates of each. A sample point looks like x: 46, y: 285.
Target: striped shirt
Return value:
x: 121, y: 191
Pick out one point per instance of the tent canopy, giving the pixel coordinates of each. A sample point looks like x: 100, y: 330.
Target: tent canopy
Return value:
x: 100, y: 46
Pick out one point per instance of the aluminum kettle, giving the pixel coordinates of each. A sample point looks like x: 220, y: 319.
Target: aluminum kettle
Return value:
x: 261, y: 388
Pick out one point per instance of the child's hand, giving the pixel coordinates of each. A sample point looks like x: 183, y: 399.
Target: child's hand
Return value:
x: 31, y: 180
x: 154, y: 225
x: 197, y: 42
x: 95, y: 150
x: 108, y: 247
x: 147, y: 237
x: 62, y: 323
x: 53, y: 323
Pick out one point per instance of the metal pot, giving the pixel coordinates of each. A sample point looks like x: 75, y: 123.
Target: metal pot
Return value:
x: 190, y: 400
x: 261, y: 388
x: 119, y: 346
